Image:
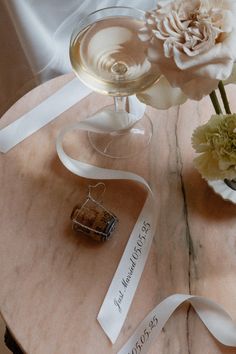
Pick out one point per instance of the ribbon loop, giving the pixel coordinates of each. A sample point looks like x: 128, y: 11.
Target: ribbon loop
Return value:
x: 217, y: 321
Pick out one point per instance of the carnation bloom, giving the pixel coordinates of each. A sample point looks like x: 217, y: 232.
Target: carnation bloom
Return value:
x: 193, y: 43
x: 216, y: 143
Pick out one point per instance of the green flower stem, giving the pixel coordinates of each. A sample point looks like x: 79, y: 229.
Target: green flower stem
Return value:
x: 215, y: 102
x: 224, y: 97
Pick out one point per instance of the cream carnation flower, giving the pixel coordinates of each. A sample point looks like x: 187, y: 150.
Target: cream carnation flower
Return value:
x: 216, y: 142
x: 193, y: 43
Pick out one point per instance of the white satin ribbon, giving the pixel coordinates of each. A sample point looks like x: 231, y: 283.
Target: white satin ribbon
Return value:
x: 217, y: 321
x: 120, y: 294
x: 44, y: 113
x: 63, y: 99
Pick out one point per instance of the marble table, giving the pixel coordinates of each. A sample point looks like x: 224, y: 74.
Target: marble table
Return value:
x: 53, y: 282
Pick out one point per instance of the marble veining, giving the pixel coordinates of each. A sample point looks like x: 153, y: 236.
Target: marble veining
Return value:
x: 53, y: 281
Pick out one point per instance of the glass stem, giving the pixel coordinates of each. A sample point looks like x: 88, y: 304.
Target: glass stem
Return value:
x: 120, y: 103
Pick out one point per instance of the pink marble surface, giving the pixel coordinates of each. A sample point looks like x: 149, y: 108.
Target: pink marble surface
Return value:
x: 53, y: 282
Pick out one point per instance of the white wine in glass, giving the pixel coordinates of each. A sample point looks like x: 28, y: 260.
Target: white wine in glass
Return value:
x: 108, y: 55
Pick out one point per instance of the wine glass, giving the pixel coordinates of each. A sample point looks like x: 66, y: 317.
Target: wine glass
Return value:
x: 108, y: 55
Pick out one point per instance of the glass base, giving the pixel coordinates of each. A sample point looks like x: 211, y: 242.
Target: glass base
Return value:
x: 123, y: 144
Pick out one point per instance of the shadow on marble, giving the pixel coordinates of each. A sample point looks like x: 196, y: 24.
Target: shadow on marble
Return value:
x: 204, y: 201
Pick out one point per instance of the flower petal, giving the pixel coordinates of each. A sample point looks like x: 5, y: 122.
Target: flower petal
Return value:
x: 199, y: 87
x: 232, y: 78
x: 216, y: 141
x: 194, y: 43
x: 161, y: 95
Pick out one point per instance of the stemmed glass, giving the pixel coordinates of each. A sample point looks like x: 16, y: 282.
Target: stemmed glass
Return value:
x: 108, y: 55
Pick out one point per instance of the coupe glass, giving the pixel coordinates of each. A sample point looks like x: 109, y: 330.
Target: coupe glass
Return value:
x: 108, y: 55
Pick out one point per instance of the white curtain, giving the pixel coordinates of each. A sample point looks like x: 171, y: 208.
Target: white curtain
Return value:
x: 34, y: 35
x: 44, y: 27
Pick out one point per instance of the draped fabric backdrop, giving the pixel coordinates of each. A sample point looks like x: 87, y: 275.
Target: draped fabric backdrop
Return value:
x: 35, y: 38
